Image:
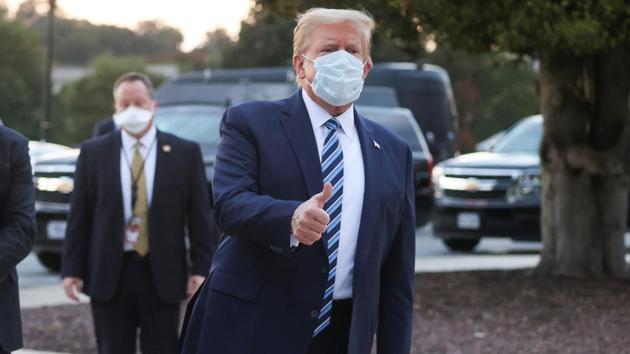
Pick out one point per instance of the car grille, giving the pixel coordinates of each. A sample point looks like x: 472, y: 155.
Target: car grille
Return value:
x: 496, y: 194
x: 479, y: 186
x: 56, y: 188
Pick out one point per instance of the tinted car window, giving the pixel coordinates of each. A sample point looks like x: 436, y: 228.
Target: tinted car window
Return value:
x: 381, y: 96
x: 400, y: 124
x: 222, y: 93
x: 524, y: 137
x: 199, y: 123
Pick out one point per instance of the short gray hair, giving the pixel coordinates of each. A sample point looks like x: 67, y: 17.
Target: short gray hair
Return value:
x: 134, y: 76
x: 317, y: 16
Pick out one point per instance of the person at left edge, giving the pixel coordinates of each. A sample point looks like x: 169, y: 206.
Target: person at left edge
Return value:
x: 138, y: 192
x: 17, y: 230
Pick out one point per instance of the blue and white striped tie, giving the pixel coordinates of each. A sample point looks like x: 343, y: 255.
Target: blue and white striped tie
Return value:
x: 332, y: 170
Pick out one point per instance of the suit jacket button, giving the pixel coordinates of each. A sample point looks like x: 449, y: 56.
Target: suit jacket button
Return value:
x: 324, y: 270
x: 314, y: 313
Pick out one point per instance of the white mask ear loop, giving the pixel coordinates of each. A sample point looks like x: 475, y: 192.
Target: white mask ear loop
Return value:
x: 305, y: 79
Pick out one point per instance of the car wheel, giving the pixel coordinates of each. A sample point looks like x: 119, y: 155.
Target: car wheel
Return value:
x: 462, y: 244
x: 52, y: 261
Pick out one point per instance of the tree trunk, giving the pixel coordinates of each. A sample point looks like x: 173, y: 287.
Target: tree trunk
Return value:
x: 585, y: 163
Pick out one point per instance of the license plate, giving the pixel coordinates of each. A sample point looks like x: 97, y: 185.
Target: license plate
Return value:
x: 56, y: 230
x: 468, y: 221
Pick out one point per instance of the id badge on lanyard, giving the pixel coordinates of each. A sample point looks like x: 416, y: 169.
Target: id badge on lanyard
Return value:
x: 132, y: 231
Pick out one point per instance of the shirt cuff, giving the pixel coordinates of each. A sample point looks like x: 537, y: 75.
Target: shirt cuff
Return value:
x: 294, y: 242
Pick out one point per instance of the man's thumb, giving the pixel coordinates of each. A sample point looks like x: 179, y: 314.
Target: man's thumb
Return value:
x: 324, y: 195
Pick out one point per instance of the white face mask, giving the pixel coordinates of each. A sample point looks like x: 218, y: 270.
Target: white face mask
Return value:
x: 338, y: 77
x: 133, y: 119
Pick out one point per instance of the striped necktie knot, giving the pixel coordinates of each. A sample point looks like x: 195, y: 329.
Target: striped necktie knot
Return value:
x: 332, y: 124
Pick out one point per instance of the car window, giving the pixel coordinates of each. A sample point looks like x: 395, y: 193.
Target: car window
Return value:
x: 524, y: 137
x: 221, y: 93
x: 401, y: 126
x: 381, y: 96
x: 199, y: 123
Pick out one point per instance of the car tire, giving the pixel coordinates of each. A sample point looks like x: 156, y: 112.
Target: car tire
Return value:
x: 50, y: 260
x: 461, y: 244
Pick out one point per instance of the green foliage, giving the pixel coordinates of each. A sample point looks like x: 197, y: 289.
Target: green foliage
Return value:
x: 211, y: 53
x: 492, y: 91
x: 580, y: 28
x: 21, y: 73
x: 88, y: 100
x: 264, y: 40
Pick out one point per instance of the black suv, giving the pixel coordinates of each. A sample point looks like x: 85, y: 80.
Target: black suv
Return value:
x: 495, y: 193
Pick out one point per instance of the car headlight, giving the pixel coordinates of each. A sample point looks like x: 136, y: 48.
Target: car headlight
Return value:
x: 436, y: 179
x: 525, y: 185
x: 63, y: 185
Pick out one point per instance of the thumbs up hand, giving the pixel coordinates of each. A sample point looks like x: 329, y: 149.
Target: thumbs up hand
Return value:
x: 310, y: 220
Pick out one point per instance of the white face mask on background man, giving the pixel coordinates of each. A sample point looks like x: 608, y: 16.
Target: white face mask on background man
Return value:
x: 338, y: 77
x: 133, y: 119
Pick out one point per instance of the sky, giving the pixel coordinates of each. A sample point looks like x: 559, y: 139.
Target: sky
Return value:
x: 192, y: 17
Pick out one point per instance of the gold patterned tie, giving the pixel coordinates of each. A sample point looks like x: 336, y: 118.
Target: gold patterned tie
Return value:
x: 141, y: 208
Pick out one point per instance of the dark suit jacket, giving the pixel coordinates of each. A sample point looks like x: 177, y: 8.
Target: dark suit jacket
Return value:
x: 93, y: 249
x: 17, y: 230
x: 103, y: 126
x: 261, y: 297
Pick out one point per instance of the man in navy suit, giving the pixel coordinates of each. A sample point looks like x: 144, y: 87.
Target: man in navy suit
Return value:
x: 17, y: 230
x: 317, y: 206
x: 103, y: 126
x: 138, y: 191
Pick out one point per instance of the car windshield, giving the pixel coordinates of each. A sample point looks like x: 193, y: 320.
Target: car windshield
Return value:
x: 198, y: 122
x: 523, y: 138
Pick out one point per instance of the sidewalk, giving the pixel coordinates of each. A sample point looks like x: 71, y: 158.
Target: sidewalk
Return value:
x: 50, y: 295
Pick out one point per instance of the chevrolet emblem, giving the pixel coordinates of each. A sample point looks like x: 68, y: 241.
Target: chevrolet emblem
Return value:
x: 472, y: 185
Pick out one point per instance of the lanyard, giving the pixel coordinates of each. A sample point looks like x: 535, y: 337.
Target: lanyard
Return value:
x: 135, y: 179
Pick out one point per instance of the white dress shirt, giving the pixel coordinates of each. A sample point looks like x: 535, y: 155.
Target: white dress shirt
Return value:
x: 353, y: 188
x: 127, y: 151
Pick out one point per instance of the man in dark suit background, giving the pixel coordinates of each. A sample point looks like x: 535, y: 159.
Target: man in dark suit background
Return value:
x: 138, y: 191
x: 17, y: 230
x: 317, y: 206
x: 103, y: 126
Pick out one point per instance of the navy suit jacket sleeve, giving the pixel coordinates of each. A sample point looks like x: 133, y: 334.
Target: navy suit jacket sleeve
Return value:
x: 203, y: 233
x: 239, y: 208
x: 17, y: 228
x: 79, y: 222
x: 397, y: 283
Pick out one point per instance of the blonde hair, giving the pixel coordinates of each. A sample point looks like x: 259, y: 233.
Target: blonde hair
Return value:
x: 307, y: 21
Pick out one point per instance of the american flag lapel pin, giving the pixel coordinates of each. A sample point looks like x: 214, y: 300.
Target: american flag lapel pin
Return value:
x: 376, y: 145
x: 166, y: 148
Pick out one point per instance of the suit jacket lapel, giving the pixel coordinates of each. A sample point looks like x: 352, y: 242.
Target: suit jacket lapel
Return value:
x: 371, y: 201
x: 299, y: 131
